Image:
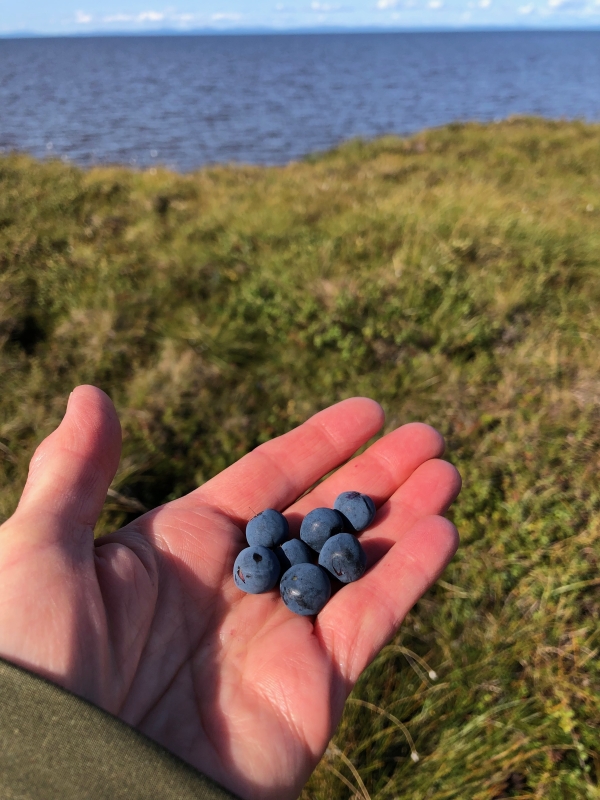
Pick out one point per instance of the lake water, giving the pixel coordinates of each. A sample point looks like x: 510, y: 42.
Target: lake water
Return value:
x: 188, y: 100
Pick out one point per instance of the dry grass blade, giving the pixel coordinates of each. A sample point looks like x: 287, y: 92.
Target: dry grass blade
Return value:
x: 7, y: 453
x: 344, y: 780
x: 413, y: 659
x: 413, y: 750
x: 575, y: 587
x: 334, y: 750
x: 126, y: 503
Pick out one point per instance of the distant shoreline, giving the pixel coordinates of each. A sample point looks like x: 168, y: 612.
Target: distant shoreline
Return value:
x: 324, y: 31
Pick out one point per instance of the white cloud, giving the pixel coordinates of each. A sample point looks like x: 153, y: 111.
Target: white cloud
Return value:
x: 82, y: 18
x: 435, y: 4
x: 566, y: 5
x: 150, y: 16
x: 324, y: 7
x: 485, y: 3
x: 144, y: 16
x: 382, y: 5
x: 525, y: 9
x: 224, y: 16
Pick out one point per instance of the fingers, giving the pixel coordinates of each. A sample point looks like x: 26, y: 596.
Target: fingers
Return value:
x: 71, y: 470
x: 407, y: 549
x: 430, y: 490
x: 380, y: 470
x: 363, y: 616
x: 276, y: 473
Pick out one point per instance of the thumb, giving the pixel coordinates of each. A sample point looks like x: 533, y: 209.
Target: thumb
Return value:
x: 72, y: 469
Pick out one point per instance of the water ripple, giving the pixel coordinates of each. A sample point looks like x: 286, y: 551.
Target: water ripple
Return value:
x: 272, y: 99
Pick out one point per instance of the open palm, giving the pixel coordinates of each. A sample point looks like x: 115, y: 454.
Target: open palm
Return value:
x: 148, y: 624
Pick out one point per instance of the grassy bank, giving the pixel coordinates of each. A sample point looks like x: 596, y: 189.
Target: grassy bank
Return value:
x: 454, y: 277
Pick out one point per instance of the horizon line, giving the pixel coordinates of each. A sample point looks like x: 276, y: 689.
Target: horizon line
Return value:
x: 317, y: 30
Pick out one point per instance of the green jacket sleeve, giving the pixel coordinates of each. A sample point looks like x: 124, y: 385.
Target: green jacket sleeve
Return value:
x: 54, y: 745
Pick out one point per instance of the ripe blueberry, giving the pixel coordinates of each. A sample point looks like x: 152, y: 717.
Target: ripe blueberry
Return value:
x: 371, y: 505
x: 305, y: 589
x: 293, y: 552
x: 267, y: 529
x: 357, y: 508
x: 343, y: 557
x: 256, y: 570
x: 319, y: 525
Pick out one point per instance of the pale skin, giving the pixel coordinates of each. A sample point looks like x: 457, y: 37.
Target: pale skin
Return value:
x: 148, y: 624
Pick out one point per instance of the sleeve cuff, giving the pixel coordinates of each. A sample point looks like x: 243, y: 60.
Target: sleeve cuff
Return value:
x: 54, y: 744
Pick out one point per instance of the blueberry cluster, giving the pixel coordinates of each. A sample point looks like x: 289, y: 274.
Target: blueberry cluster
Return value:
x: 327, y: 535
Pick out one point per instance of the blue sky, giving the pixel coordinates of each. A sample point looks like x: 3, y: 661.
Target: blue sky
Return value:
x: 86, y: 16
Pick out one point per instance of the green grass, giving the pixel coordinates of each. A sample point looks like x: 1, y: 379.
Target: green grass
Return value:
x: 454, y: 277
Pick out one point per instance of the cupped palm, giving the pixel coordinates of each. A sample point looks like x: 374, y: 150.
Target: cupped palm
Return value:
x: 148, y: 624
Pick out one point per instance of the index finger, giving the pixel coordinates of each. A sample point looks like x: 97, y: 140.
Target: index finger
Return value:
x: 276, y: 473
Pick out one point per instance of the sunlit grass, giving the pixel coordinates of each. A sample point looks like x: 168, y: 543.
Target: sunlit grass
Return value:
x: 454, y: 277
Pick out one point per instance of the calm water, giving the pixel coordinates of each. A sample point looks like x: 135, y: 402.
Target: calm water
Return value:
x: 186, y: 101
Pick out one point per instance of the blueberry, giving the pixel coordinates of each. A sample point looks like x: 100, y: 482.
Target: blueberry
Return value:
x: 319, y: 525
x: 371, y: 505
x: 292, y: 553
x: 256, y: 570
x: 343, y: 557
x: 305, y: 589
x: 267, y: 529
x: 357, y: 508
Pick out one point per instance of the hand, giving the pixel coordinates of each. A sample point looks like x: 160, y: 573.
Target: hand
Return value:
x: 147, y: 622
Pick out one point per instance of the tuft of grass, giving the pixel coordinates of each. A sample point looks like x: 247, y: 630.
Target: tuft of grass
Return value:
x: 455, y: 277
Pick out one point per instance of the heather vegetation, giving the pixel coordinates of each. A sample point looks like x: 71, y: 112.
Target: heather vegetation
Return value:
x: 455, y: 277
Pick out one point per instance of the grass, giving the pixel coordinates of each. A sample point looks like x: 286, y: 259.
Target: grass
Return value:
x: 453, y: 276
